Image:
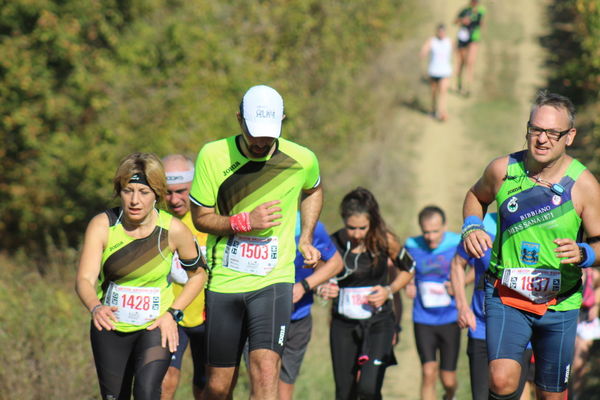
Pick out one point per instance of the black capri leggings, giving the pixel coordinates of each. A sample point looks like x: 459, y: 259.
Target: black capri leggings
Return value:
x: 346, y: 339
x: 125, y: 358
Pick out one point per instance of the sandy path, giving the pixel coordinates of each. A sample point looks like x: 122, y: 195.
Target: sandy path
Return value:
x: 447, y: 158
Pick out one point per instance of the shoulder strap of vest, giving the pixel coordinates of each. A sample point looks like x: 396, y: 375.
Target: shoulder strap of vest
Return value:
x: 575, y: 169
x: 113, y: 215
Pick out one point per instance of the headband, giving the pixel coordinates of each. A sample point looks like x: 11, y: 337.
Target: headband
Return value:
x: 139, y: 177
x: 175, y: 178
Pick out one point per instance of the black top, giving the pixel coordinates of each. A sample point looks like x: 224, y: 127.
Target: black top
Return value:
x: 359, y: 268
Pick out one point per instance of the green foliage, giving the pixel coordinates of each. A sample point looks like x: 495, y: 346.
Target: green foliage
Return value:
x: 44, y: 334
x: 574, y: 55
x: 84, y: 83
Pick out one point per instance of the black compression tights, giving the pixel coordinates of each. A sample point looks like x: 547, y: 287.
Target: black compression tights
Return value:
x: 125, y: 358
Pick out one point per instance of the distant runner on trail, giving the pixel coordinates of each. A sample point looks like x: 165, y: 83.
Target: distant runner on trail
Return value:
x: 470, y: 22
x: 245, y: 194
x: 434, y: 308
x: 438, y: 50
x: 546, y: 201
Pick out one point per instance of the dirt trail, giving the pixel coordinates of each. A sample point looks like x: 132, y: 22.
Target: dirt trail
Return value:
x: 448, y: 157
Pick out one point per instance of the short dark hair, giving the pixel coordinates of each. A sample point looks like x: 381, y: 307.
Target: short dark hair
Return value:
x: 545, y: 98
x: 429, y: 212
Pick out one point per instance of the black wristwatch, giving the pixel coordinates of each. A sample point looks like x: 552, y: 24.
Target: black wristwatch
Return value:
x: 176, y: 314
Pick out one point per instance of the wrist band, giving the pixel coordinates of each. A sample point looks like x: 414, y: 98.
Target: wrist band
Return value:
x: 590, y: 255
x: 305, y: 285
x: 240, y: 222
x: 472, y: 223
x: 95, y: 308
x: 390, y: 292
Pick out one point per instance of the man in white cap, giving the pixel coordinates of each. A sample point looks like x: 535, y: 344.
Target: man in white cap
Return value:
x: 245, y: 194
x: 180, y: 172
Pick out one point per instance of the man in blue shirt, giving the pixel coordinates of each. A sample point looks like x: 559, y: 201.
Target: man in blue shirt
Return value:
x: 434, y: 309
x: 474, y: 318
x: 301, y: 321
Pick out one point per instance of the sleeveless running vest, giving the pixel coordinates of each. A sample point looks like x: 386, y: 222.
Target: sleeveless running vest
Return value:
x: 530, y: 217
x: 440, y: 58
x: 131, y: 262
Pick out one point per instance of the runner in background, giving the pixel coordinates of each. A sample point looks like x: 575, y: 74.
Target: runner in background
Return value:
x: 470, y: 22
x: 438, y: 50
x: 180, y: 172
x: 588, y: 330
x: 473, y: 317
x: 363, y: 323
x: 307, y: 278
x: 434, y: 308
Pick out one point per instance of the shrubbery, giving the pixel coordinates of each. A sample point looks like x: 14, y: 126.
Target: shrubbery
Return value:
x: 84, y: 83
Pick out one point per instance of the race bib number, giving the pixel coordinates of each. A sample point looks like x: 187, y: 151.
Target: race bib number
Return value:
x: 136, y: 305
x: 251, y: 255
x: 463, y: 34
x: 353, y: 302
x: 434, y: 294
x: 538, y: 285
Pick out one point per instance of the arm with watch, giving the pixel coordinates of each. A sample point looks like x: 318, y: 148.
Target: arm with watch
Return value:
x: 191, y: 259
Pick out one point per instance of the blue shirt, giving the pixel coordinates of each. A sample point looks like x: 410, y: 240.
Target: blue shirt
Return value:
x: 433, y: 265
x: 323, y: 243
x: 477, y: 304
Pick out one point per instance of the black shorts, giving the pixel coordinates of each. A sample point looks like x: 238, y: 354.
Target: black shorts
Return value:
x: 295, y: 348
x: 445, y: 338
x: 196, y: 337
x: 462, y: 44
x: 262, y: 317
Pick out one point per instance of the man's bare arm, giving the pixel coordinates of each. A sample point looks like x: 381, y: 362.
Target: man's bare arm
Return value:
x: 310, y: 210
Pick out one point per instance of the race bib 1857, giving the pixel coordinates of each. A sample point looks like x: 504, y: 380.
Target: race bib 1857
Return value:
x: 538, y: 285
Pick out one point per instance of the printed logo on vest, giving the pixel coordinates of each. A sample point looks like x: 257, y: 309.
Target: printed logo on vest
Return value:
x: 512, y: 205
x: 530, y: 253
x: 556, y: 200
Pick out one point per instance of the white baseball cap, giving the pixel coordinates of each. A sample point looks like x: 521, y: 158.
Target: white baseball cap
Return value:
x: 263, y: 111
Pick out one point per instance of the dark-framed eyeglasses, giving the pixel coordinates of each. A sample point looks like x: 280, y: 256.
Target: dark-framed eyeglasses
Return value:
x: 552, y: 134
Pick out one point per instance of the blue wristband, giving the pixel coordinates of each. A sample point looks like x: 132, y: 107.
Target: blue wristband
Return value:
x: 472, y: 220
x: 590, y: 255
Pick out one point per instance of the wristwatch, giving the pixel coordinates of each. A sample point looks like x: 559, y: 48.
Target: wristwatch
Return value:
x: 176, y: 314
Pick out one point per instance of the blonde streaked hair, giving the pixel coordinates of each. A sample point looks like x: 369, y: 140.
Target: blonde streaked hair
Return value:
x: 145, y: 163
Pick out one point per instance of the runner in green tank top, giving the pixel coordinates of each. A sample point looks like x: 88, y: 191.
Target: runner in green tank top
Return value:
x: 245, y: 195
x: 546, y: 202
x: 122, y: 280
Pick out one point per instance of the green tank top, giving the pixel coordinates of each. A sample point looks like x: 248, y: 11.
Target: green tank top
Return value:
x: 530, y: 217
x: 142, y: 265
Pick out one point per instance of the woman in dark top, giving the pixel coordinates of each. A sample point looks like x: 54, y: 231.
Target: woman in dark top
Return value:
x: 363, y: 324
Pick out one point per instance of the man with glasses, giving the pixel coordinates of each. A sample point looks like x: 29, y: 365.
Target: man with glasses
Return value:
x: 546, y: 200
